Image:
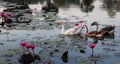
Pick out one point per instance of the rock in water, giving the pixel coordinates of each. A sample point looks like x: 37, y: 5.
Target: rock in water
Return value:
x: 65, y: 57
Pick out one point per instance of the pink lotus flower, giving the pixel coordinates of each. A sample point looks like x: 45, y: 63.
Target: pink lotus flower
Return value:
x: 27, y: 46
x: 2, y: 14
x: 32, y: 46
x: 8, y: 14
x: 23, y: 43
x: 81, y: 21
x: 92, y: 45
x: 76, y: 24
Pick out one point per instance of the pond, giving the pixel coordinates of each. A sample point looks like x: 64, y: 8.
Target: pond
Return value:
x: 51, y: 46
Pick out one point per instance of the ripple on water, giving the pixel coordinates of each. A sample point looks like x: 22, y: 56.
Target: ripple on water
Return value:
x: 109, y: 49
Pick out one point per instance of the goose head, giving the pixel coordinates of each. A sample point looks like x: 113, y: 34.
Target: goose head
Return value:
x: 85, y: 27
x: 94, y: 23
x: 58, y: 22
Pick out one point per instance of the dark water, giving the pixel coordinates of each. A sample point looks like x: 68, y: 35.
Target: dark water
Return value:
x: 106, y: 12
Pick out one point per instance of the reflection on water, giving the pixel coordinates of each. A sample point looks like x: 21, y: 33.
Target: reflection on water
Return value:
x: 25, y: 1
x: 66, y: 3
x: 86, y: 5
x: 112, y: 6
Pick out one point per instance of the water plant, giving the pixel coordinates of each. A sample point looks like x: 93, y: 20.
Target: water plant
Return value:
x: 92, y: 45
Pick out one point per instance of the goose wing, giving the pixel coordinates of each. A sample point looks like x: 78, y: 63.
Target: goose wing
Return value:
x: 78, y: 31
x: 107, y: 29
x: 72, y: 30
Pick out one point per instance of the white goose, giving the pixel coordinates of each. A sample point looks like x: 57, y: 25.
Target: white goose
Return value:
x: 70, y: 31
